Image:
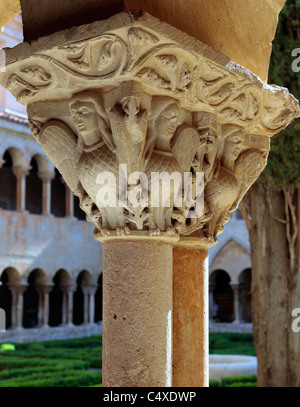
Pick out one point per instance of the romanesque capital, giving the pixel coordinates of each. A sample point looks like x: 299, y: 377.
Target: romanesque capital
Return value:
x: 21, y: 171
x: 127, y: 106
x: 46, y: 176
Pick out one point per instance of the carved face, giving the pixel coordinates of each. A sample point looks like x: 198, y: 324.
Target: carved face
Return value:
x: 233, y: 146
x: 167, y: 121
x: 85, y: 118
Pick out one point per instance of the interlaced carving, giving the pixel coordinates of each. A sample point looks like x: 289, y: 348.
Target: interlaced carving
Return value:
x: 132, y: 96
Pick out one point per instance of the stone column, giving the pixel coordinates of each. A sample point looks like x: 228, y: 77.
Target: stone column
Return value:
x: 71, y: 288
x: 211, y: 299
x: 92, y: 291
x: 46, y: 177
x: 85, y: 290
x: 190, y: 317
x: 44, y: 296
x: 21, y: 172
x: 161, y: 103
x: 236, y: 300
x: 137, y: 316
x: 69, y: 203
x: 17, y: 304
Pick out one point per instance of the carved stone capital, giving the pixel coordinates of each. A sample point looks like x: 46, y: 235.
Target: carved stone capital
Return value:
x: 21, y: 171
x: 46, y: 176
x: 115, y: 101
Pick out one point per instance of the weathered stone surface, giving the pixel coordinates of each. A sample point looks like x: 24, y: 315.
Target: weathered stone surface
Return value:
x: 132, y: 90
x: 137, y: 323
x: 190, y: 317
x: 8, y: 10
x: 243, y: 30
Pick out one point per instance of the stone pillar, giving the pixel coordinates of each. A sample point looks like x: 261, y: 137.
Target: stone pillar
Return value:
x: 21, y: 172
x: 46, y: 177
x: 69, y: 203
x: 44, y: 304
x: 70, y: 292
x: 17, y: 304
x: 190, y: 317
x: 161, y: 102
x: 236, y: 301
x: 211, y: 300
x: 137, y: 314
x: 92, y: 291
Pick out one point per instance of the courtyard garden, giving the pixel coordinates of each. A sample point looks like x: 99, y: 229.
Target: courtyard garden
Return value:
x: 78, y: 362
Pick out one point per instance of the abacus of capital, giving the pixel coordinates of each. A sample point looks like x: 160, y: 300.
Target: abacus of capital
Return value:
x: 134, y: 90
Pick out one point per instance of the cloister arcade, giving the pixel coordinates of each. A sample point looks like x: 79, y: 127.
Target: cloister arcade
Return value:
x: 43, y: 302
x: 32, y: 184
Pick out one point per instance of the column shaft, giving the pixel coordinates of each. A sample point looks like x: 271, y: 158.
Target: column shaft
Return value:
x: 20, y: 303
x: 69, y: 203
x: 70, y: 308
x: 46, y: 198
x: 137, y: 303
x: 91, y: 308
x: 236, y: 300
x: 190, y: 317
x: 45, y: 310
x: 20, y: 172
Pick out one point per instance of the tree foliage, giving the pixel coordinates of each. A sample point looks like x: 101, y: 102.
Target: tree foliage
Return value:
x: 283, y: 169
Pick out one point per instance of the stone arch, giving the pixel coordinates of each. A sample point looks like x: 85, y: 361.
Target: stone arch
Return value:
x: 17, y: 156
x: 57, y: 297
x: 33, y: 298
x: 233, y: 258
x: 9, y: 276
x: 222, y: 295
x: 99, y: 299
x: 245, y: 294
x: 84, y: 279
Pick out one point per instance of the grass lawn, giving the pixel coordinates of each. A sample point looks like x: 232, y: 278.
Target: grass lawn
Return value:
x: 66, y: 363
x: 77, y: 362
x: 231, y: 344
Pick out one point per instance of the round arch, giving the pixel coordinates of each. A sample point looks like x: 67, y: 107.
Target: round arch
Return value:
x: 84, y: 279
x: 33, y: 298
x: 57, y: 298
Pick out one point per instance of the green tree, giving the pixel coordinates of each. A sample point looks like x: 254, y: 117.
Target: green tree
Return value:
x: 272, y: 211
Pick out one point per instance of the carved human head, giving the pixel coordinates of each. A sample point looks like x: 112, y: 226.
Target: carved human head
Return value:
x: 233, y: 143
x: 87, y: 112
x: 165, y: 114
